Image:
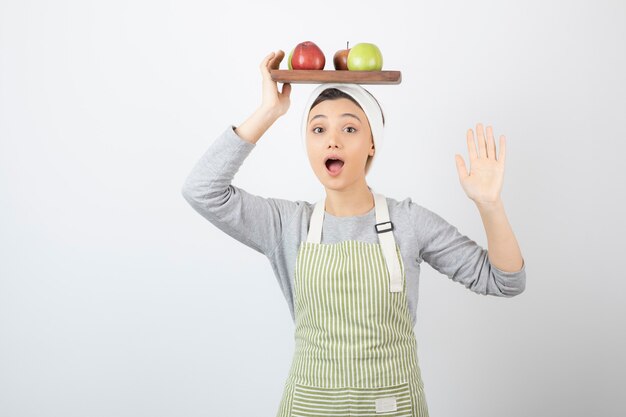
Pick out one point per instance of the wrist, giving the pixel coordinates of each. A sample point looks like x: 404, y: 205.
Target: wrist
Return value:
x: 255, y: 126
x: 490, y: 206
x: 267, y: 113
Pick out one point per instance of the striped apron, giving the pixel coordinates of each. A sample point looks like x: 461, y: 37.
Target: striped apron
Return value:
x: 355, y: 349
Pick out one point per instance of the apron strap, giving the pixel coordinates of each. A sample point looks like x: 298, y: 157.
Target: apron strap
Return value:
x: 383, y: 228
x: 315, y: 228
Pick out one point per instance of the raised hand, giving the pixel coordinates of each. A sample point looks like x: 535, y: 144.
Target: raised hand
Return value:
x: 483, y: 183
x: 273, y: 105
x: 272, y: 99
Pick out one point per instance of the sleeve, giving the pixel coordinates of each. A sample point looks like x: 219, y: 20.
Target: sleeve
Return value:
x: 461, y: 259
x: 253, y: 220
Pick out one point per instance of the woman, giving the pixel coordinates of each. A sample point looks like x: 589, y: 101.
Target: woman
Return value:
x: 349, y: 265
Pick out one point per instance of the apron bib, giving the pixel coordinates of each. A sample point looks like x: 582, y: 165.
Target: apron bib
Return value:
x: 355, y: 349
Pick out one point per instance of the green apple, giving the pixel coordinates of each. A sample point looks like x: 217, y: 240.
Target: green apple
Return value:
x: 365, y: 57
x: 289, y: 59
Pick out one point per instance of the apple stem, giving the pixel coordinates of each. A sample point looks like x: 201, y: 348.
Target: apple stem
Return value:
x: 347, y: 43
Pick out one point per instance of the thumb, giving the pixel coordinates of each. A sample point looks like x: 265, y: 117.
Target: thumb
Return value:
x: 286, y: 89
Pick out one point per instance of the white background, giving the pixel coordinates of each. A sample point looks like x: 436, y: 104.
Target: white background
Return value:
x: 118, y: 299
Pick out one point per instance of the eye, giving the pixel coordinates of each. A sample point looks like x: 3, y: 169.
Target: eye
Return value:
x: 350, y: 127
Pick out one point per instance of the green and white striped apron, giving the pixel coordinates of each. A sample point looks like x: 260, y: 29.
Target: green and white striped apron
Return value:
x: 355, y: 349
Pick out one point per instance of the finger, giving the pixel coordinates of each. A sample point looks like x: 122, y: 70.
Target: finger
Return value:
x: 264, y: 64
x: 491, y: 144
x: 482, y: 152
x: 460, y: 166
x: 278, y: 57
x: 286, y: 91
x: 502, y: 153
x: 471, y: 145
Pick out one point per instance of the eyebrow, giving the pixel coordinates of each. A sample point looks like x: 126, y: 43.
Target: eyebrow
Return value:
x: 343, y: 115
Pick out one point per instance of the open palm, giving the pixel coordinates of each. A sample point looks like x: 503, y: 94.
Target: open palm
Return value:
x: 484, y: 181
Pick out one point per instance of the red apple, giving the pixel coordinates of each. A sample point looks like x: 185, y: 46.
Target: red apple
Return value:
x: 307, y: 56
x: 340, y: 60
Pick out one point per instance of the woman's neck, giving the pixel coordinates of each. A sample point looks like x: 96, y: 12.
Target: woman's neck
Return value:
x: 353, y: 201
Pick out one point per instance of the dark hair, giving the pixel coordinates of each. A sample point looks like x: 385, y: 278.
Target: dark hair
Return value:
x: 334, y: 94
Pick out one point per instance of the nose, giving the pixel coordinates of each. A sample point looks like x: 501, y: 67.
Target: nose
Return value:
x: 333, y: 141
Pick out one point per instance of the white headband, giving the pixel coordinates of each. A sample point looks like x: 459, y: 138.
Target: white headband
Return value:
x: 368, y: 103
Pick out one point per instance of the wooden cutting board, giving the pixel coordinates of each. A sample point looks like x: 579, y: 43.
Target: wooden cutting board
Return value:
x: 336, y: 76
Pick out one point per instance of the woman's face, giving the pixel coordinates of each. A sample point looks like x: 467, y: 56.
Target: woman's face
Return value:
x: 339, y: 128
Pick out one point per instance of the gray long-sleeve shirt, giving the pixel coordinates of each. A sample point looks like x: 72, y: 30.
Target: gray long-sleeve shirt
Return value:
x: 276, y: 227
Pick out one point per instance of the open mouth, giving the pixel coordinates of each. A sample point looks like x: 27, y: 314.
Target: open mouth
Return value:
x: 334, y: 165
